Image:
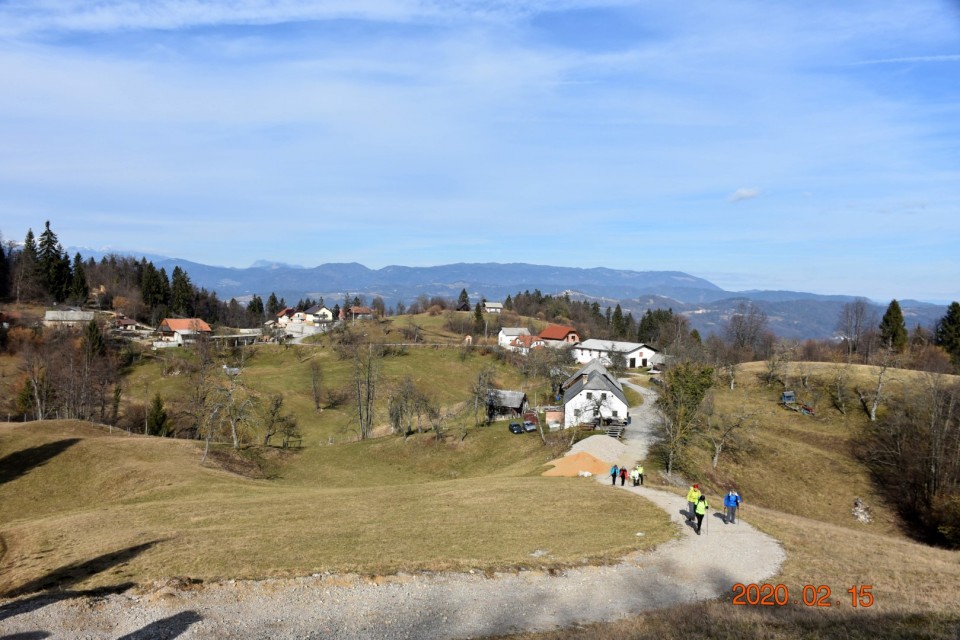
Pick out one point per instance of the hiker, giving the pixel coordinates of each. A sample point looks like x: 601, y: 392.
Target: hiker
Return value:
x: 640, y: 473
x: 623, y: 476
x: 634, y: 477
x: 614, y: 471
x: 701, y: 510
x: 692, y: 496
x: 730, y: 504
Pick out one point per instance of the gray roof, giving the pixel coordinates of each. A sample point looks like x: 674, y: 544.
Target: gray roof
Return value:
x: 501, y: 398
x: 612, y: 345
x: 68, y: 316
x: 594, y: 366
x: 595, y: 381
x: 515, y: 331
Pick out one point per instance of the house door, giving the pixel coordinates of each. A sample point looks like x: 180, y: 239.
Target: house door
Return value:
x: 633, y: 363
x: 644, y: 361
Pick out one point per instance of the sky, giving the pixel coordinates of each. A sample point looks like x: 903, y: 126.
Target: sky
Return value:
x: 810, y: 145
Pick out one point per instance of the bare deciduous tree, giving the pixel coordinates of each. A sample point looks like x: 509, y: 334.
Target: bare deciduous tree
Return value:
x: 316, y: 384
x: 366, y: 376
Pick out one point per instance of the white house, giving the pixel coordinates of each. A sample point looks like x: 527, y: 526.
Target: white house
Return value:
x: 319, y: 314
x: 593, y: 395
x: 493, y: 307
x: 635, y: 354
x: 508, y: 334
x: 523, y: 344
x: 182, y: 330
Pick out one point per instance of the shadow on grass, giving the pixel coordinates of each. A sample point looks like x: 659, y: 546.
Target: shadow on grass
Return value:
x: 72, y: 573
x: 167, y: 628
x: 18, y: 463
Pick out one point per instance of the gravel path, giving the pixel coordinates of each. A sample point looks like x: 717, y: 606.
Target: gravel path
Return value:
x: 458, y: 605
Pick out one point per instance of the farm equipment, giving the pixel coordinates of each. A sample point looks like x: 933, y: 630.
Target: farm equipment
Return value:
x: 788, y: 400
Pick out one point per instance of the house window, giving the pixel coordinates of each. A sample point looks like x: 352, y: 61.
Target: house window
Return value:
x: 589, y: 395
x: 603, y: 396
x: 615, y: 413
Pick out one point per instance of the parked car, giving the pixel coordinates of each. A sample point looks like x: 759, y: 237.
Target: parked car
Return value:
x: 515, y: 427
x: 529, y: 426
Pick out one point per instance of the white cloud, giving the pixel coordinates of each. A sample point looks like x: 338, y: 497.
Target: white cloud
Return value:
x: 745, y: 193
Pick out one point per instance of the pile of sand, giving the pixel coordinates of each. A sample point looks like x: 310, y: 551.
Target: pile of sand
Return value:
x: 573, y: 464
x: 602, y: 447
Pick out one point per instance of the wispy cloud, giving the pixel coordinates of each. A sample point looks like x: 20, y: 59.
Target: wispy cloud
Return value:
x: 349, y: 120
x: 745, y: 193
x: 953, y: 57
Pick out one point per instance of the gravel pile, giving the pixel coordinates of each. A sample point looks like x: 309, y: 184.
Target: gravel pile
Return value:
x: 601, y: 447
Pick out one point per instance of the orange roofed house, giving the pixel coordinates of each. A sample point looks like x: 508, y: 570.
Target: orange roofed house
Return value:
x: 181, y: 330
x: 556, y: 335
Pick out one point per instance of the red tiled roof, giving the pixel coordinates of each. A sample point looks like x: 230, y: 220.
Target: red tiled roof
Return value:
x: 184, y: 324
x: 556, y: 332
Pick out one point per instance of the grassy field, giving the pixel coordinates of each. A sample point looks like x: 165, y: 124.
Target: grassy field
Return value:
x: 445, y: 374
x: 799, y: 475
x: 82, y: 506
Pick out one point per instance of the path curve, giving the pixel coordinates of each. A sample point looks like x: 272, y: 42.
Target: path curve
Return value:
x: 457, y: 605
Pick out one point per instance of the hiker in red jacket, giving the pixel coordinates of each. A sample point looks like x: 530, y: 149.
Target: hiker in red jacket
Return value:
x: 623, y: 475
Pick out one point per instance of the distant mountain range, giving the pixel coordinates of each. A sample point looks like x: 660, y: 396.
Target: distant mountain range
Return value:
x: 791, y: 314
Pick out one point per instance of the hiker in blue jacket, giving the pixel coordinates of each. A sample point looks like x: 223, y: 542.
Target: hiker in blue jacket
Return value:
x: 730, y: 503
x: 614, y: 472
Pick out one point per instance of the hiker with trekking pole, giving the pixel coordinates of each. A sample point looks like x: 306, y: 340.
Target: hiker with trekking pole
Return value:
x: 701, y: 510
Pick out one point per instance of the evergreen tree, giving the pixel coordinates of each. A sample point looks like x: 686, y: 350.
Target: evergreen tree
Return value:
x: 79, y: 289
x: 29, y: 280
x: 164, y: 286
x: 508, y: 303
x: 181, y: 293
x: 893, y: 329
x: 255, y: 307
x: 92, y: 341
x: 4, y: 272
x: 158, y: 423
x: 948, y: 333
x: 53, y: 264
x: 273, y: 305
x: 478, y: 322
x: 618, y: 322
x: 464, y: 299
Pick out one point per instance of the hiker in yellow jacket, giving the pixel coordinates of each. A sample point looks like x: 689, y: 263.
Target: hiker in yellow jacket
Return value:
x: 639, y: 471
x: 701, y: 510
x: 692, y: 496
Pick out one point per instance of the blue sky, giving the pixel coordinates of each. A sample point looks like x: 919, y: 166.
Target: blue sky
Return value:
x: 808, y: 146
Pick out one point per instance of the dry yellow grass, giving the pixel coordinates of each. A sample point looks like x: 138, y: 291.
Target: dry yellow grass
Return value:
x: 93, y: 509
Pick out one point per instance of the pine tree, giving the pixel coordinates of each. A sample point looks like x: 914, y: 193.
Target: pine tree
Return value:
x: 92, y: 342
x: 4, y: 272
x: 181, y: 294
x: 893, y: 329
x: 464, y: 299
x: 948, y: 333
x: 478, y: 322
x: 273, y: 305
x: 255, y: 307
x: 79, y: 289
x: 53, y: 265
x: 619, y: 325
x: 158, y: 423
x: 28, y: 280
